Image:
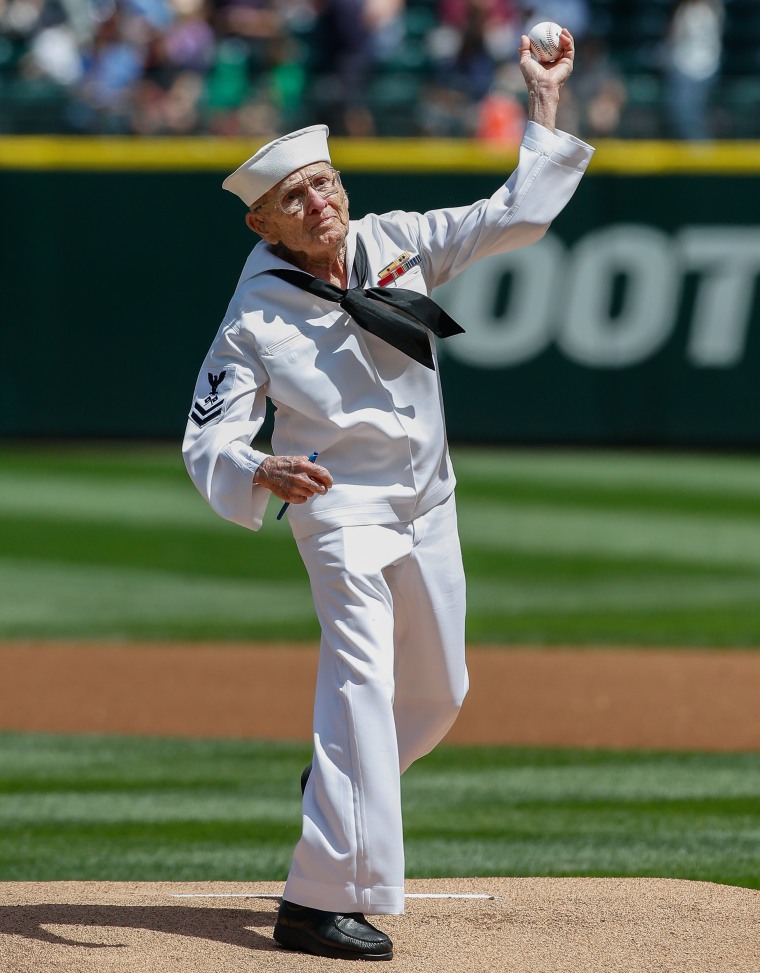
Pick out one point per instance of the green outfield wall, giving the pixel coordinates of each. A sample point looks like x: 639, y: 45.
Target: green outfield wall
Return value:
x: 635, y: 321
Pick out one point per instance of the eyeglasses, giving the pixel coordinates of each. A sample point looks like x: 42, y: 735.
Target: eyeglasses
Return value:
x: 292, y: 200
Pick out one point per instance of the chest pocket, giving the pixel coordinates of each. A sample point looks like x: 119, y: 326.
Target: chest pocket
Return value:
x: 412, y: 280
x: 288, y: 345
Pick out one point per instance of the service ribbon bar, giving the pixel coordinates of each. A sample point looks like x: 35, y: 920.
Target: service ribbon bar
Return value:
x: 399, y: 266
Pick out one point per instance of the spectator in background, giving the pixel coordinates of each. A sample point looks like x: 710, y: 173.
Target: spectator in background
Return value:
x: 256, y: 20
x: 20, y: 19
x: 341, y: 62
x: 474, y: 38
x: 598, y: 92
x: 256, y: 68
x: 385, y: 22
x: 54, y: 48
x: 167, y: 98
x: 443, y: 112
x: 573, y: 14
x: 112, y: 69
x: 188, y: 43
x: 693, y: 49
x: 501, y: 114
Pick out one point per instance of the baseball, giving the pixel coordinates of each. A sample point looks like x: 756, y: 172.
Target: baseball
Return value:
x: 544, y: 41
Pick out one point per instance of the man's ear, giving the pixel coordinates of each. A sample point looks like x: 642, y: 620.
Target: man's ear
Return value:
x: 257, y: 224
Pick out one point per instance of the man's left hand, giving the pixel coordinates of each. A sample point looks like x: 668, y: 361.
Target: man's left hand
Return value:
x: 545, y: 79
x: 552, y: 73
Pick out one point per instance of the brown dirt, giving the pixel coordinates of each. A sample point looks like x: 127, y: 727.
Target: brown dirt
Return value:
x: 532, y: 925
x: 591, y: 697
x: 670, y: 699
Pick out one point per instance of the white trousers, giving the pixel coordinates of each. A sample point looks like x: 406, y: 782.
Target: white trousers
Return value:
x: 392, y: 676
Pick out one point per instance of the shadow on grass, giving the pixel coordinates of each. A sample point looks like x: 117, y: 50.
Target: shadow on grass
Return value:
x: 231, y: 927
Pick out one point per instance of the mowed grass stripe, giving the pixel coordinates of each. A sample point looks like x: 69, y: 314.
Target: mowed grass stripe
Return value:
x: 113, y: 808
x: 701, y: 627
x: 642, y: 595
x: 45, y: 600
x: 521, y: 566
x: 705, y: 854
x: 727, y: 541
x: 512, y: 491
x: 130, y: 500
x: 214, y: 550
x: 729, y: 487
x: 225, y: 551
x: 688, y: 474
x: 117, y: 543
x: 107, y: 462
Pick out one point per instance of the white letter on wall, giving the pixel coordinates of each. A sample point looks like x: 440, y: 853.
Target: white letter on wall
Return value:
x: 526, y: 326
x: 589, y: 334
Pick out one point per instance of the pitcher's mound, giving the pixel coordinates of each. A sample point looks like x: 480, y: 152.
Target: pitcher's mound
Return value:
x: 504, y: 925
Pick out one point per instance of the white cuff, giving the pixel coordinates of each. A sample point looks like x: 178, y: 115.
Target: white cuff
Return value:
x: 562, y: 147
x: 243, y: 457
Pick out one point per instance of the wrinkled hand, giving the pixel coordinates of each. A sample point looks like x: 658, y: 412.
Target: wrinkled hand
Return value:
x: 553, y: 73
x: 292, y: 478
x: 544, y: 81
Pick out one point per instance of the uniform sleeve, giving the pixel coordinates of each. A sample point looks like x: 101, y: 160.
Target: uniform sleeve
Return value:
x: 549, y: 168
x: 228, y: 410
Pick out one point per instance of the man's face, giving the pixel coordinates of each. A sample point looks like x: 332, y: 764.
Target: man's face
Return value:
x: 318, y: 227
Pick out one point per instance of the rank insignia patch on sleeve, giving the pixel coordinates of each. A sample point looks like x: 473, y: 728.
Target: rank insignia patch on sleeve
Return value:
x: 207, y: 408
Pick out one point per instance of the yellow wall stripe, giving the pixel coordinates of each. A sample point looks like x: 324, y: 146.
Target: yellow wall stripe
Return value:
x: 401, y: 155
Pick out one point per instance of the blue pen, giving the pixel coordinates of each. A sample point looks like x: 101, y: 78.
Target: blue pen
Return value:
x: 286, y: 505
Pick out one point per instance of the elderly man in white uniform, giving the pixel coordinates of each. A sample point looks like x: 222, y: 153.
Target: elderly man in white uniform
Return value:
x: 315, y: 326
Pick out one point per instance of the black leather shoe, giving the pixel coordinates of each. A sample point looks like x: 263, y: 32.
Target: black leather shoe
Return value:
x: 332, y: 934
x: 304, y: 777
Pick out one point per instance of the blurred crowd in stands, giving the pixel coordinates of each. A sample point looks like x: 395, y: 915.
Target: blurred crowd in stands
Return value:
x: 682, y: 69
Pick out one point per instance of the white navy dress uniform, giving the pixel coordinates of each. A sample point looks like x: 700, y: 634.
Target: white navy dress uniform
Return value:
x: 381, y: 546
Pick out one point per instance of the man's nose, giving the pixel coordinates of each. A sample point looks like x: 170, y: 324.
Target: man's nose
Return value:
x: 314, y: 202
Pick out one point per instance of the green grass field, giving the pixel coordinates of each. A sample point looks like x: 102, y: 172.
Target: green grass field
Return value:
x: 560, y: 547
x: 121, y: 809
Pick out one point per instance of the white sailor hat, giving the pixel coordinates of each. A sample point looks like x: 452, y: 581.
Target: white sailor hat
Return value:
x: 276, y: 160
